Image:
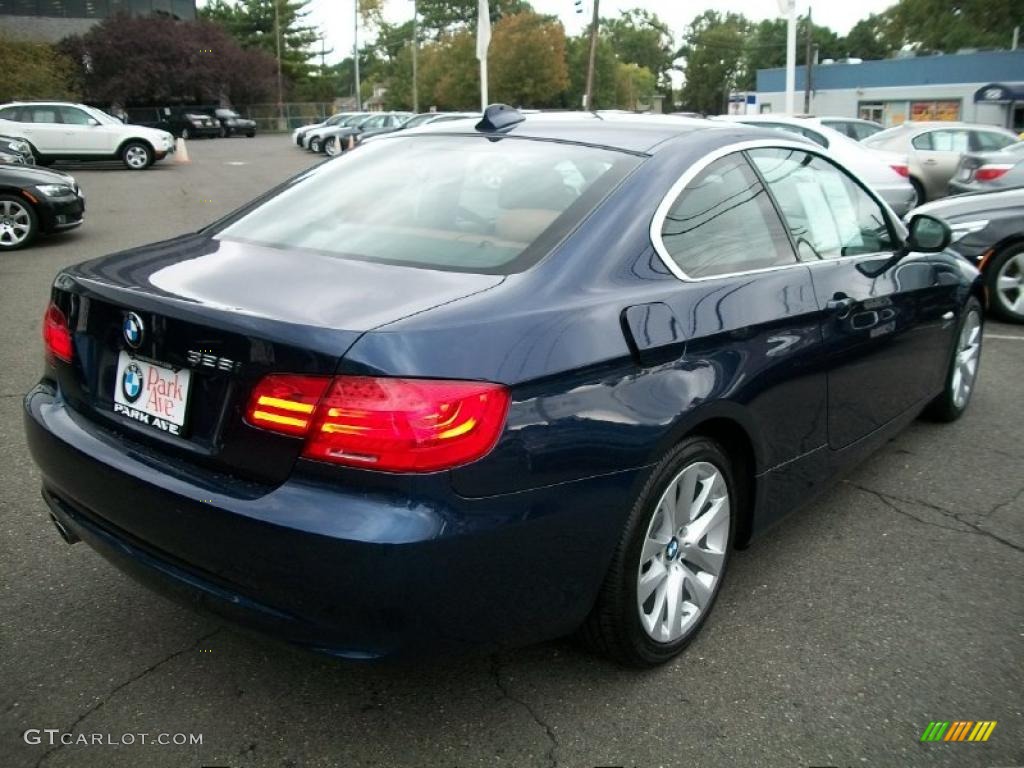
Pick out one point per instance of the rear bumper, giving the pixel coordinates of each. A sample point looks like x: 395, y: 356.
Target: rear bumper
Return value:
x: 900, y: 197
x: 354, y: 573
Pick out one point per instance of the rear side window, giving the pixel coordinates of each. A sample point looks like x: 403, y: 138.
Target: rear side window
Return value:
x: 723, y: 222
x: 40, y: 114
x: 73, y: 116
x: 466, y: 203
x: 828, y: 214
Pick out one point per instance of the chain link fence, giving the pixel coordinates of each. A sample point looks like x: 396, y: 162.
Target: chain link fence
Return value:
x: 271, y: 118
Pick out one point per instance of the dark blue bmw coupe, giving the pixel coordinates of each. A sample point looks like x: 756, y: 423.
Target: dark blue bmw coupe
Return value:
x: 491, y: 382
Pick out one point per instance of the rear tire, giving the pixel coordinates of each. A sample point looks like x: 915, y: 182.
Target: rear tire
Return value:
x: 920, y: 198
x: 332, y: 147
x: 314, y: 145
x: 669, y: 565
x: 964, y: 363
x: 1004, y: 280
x: 251, y: 135
x: 19, y: 224
x: 186, y: 134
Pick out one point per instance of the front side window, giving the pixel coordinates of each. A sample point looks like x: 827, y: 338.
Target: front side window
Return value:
x: 72, y: 116
x: 471, y: 204
x: 829, y: 215
x: 943, y: 141
x: 988, y: 141
x: 723, y: 222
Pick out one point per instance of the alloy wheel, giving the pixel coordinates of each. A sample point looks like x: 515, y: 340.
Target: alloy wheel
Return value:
x: 136, y: 157
x: 15, y: 223
x: 683, y: 552
x: 185, y: 134
x: 331, y: 146
x: 965, y: 366
x: 314, y: 145
x: 1010, y: 285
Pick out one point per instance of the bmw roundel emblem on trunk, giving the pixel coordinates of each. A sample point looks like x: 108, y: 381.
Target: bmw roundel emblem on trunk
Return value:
x: 133, y: 330
x: 131, y: 382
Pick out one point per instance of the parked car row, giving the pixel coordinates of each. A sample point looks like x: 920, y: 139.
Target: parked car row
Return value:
x: 194, y: 122
x: 335, y: 134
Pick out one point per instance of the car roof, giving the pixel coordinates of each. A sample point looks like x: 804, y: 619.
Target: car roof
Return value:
x: 625, y: 131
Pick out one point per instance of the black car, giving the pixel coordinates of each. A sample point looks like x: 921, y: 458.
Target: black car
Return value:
x: 15, y: 151
x: 35, y: 200
x: 988, y: 230
x: 482, y: 385
x: 193, y: 124
x: 231, y: 123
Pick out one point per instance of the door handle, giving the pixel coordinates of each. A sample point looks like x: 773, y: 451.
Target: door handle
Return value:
x: 930, y: 161
x: 840, y: 306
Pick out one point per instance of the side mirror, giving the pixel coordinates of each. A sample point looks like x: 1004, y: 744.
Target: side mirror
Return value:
x: 928, y: 234
x: 93, y: 122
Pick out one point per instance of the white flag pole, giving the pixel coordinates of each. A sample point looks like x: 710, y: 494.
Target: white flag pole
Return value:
x: 789, y: 8
x: 483, y: 42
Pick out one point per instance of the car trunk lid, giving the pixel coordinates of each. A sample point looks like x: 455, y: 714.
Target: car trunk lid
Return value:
x: 223, y: 314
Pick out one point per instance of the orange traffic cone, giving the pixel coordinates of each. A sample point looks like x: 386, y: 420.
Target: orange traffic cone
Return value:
x: 181, y: 152
x: 351, y: 141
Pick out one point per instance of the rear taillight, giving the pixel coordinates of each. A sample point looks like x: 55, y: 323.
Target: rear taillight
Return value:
x: 902, y: 170
x: 393, y: 425
x: 56, y: 334
x: 285, y: 403
x: 990, y: 172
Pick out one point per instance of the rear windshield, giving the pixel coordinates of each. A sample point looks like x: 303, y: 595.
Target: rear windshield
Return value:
x: 465, y: 203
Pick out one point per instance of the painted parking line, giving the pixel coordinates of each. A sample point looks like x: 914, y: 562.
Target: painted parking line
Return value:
x: 1003, y: 336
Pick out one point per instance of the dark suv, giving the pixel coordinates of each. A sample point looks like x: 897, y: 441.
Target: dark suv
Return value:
x: 231, y: 123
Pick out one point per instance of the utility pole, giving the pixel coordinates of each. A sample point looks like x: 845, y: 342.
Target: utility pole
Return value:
x: 593, y: 57
x: 808, y: 63
x: 1016, y: 38
x: 355, y: 53
x: 277, y: 38
x: 415, y: 47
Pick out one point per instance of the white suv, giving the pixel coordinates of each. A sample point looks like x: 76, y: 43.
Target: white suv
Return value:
x: 63, y: 131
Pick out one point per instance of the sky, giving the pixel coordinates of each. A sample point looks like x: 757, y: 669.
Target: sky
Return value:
x: 335, y: 17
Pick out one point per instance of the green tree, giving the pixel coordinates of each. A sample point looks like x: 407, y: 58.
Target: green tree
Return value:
x: 713, y: 47
x: 870, y: 38
x: 948, y: 25
x: 34, y: 71
x: 527, y: 60
x: 605, y: 69
x: 640, y: 37
x: 440, y: 16
x: 634, y: 86
x: 252, y: 24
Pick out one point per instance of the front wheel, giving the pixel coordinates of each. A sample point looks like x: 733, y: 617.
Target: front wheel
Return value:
x: 18, y: 223
x: 186, y: 134
x: 962, y: 372
x: 314, y: 145
x: 136, y: 155
x: 671, y: 559
x: 251, y: 134
x: 1004, y: 276
x: 333, y: 146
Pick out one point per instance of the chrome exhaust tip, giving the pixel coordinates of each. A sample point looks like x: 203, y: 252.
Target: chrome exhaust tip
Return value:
x: 68, y: 536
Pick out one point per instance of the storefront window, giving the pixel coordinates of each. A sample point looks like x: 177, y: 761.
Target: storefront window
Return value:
x: 947, y: 111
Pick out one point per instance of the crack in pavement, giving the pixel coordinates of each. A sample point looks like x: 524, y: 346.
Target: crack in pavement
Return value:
x: 971, y: 528
x: 120, y: 687
x: 496, y: 671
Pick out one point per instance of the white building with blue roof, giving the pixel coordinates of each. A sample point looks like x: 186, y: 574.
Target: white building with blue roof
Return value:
x: 985, y: 87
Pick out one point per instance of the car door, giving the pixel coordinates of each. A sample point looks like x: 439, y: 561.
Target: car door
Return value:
x: 884, y: 331
x: 938, y: 155
x: 745, y: 306
x: 84, y: 134
x: 42, y: 126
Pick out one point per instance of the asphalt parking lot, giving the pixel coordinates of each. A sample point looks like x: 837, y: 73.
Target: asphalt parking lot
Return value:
x: 891, y: 601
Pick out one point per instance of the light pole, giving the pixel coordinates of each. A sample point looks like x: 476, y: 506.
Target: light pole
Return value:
x: 789, y: 7
x: 277, y: 39
x: 355, y: 52
x: 415, y: 47
x: 593, y: 56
